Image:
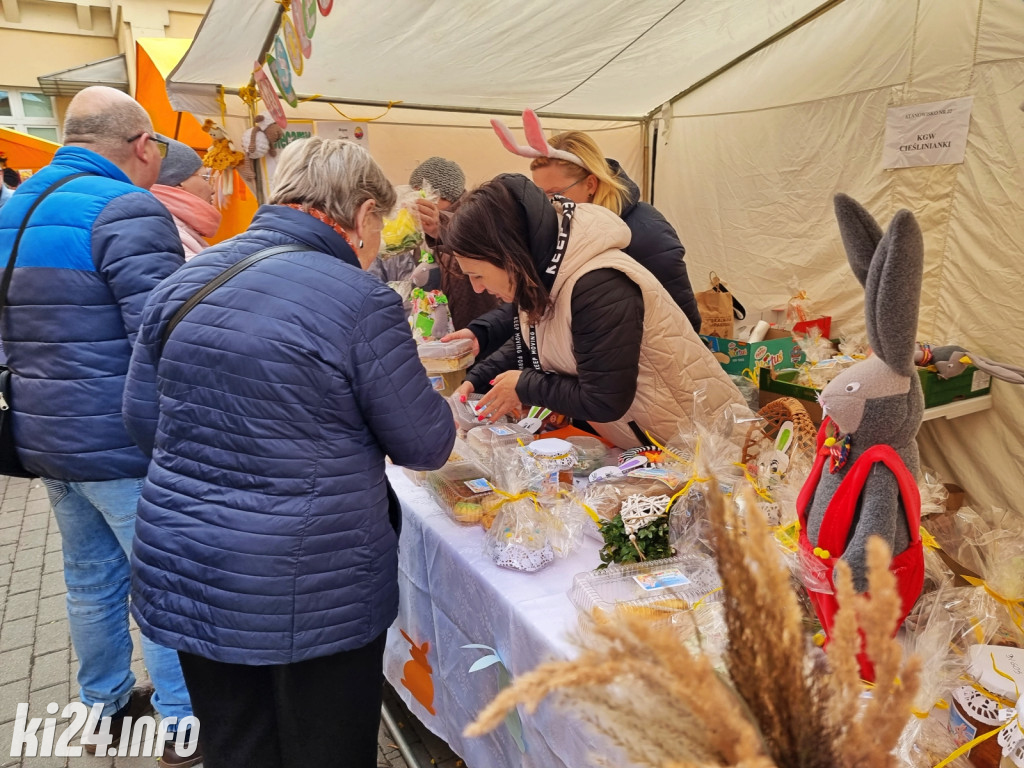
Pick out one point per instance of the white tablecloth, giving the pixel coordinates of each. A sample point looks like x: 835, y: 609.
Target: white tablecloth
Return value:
x: 453, y: 595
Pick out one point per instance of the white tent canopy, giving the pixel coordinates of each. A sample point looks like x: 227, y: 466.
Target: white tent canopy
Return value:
x: 612, y: 59
x: 774, y: 106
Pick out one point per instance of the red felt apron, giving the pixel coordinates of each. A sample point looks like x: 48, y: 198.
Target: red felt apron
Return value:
x: 907, y: 566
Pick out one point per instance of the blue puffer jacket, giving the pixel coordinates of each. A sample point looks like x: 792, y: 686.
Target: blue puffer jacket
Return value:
x: 263, y: 533
x: 92, y: 252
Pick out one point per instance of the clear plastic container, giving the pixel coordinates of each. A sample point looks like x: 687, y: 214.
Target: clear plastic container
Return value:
x: 591, y: 453
x: 655, y: 590
x: 463, y: 490
x: 483, y: 440
x: 465, y: 413
x: 446, y: 356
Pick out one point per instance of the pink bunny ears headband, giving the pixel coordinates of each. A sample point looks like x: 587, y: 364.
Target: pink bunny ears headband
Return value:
x: 538, y: 145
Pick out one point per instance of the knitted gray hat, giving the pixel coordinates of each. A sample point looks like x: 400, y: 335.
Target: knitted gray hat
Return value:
x: 444, y: 176
x: 181, y: 162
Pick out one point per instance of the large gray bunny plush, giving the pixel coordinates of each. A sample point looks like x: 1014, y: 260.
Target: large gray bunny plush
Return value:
x: 874, y: 410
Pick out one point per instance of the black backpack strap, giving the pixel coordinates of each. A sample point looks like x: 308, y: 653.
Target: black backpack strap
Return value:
x: 9, y: 271
x: 217, y: 282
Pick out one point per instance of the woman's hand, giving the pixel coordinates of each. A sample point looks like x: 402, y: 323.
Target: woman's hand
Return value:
x: 429, y: 216
x: 502, y: 398
x: 464, y: 391
x: 465, y: 333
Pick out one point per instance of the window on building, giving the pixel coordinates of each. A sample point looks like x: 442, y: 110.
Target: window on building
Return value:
x: 30, y: 112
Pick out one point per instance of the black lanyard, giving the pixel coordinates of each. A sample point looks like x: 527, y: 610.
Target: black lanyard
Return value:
x: 568, y: 209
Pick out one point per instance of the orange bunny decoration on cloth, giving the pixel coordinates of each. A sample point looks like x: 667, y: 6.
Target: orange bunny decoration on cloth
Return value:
x: 416, y: 674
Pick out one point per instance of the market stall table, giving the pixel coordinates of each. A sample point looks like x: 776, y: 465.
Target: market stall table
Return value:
x: 453, y: 595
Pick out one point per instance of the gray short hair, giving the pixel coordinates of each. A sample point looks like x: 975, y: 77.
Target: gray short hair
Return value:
x: 104, y: 119
x: 334, y: 175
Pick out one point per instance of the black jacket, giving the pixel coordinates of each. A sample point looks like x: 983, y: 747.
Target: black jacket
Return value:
x: 654, y: 244
x: 607, y: 328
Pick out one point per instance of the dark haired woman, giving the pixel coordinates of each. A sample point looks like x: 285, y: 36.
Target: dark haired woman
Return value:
x: 598, y: 338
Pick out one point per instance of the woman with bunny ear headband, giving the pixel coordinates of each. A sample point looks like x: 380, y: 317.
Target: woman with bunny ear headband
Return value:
x: 572, y: 165
x: 863, y: 480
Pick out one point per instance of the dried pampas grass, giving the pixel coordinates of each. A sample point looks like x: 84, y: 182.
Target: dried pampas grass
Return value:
x: 782, y: 706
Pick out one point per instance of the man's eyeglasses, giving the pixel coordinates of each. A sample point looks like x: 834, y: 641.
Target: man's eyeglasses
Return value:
x: 161, y: 145
x: 566, y: 189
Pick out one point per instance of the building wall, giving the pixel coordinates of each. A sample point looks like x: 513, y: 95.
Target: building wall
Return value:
x: 40, y: 37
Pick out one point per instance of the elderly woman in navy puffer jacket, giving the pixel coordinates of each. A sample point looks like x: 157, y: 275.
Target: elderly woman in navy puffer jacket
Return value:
x: 267, y: 534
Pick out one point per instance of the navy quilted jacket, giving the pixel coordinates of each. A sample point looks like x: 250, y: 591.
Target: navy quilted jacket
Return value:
x: 263, y: 532
x: 92, y: 252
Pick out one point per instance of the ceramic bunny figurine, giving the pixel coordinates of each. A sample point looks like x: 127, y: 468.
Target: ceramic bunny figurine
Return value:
x: 863, y: 482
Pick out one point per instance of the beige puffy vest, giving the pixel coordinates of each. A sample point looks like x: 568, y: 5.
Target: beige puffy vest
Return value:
x: 674, y: 363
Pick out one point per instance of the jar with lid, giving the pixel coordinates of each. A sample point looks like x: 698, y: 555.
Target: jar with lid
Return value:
x: 555, y: 458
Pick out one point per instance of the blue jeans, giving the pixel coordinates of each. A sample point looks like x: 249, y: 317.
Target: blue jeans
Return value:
x: 97, y: 526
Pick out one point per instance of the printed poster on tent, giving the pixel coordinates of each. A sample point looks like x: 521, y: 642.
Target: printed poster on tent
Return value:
x: 343, y: 129
x: 927, y: 134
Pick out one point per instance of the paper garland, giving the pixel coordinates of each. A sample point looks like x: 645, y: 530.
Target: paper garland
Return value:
x: 269, y: 96
x: 277, y: 61
x: 294, y: 45
x: 299, y: 19
x: 308, y: 25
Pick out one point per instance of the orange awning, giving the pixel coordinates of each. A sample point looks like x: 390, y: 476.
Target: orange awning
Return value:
x: 25, y: 152
x: 155, y: 58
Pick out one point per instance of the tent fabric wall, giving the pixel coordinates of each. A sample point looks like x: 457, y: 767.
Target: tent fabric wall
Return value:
x: 753, y: 158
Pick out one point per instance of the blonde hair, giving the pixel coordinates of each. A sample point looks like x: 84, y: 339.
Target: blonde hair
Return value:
x: 333, y: 175
x: 611, y: 193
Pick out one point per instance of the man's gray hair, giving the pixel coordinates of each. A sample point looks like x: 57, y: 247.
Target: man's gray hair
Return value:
x: 333, y: 175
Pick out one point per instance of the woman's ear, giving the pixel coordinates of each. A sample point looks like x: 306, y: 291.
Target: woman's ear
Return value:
x: 365, y: 214
x: 591, y: 185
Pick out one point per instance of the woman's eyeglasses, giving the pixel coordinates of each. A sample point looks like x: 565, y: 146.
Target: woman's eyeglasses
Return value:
x: 161, y: 144
x: 562, y: 191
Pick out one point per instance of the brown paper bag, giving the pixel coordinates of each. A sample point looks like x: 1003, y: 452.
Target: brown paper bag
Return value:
x: 716, y: 310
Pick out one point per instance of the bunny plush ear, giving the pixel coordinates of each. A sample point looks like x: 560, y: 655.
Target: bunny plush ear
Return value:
x: 538, y: 145
x: 892, y: 293
x: 860, y: 232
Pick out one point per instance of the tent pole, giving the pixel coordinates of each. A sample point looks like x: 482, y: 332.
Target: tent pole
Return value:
x: 806, y: 19
x: 442, y: 108
x: 648, y: 176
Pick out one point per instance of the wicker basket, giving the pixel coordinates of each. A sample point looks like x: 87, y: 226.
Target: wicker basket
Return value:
x: 775, y: 414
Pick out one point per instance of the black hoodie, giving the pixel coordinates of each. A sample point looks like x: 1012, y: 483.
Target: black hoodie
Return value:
x: 607, y: 328
x: 654, y: 244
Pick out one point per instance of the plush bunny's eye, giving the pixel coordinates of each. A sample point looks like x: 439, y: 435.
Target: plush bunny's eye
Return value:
x: 853, y: 386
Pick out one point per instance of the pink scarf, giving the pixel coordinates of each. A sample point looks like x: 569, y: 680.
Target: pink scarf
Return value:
x: 195, y: 217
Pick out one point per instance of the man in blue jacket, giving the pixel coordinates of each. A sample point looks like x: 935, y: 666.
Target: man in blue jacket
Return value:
x: 90, y: 255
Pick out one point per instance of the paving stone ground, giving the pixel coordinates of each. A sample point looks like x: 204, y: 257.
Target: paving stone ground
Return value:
x: 38, y: 665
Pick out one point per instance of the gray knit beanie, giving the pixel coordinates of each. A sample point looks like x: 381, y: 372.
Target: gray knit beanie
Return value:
x: 181, y: 162
x: 444, y: 176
